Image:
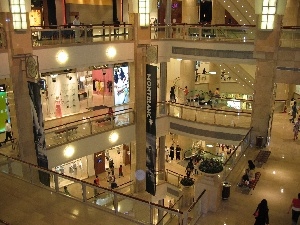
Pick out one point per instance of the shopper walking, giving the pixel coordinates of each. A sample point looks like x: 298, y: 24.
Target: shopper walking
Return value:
x: 295, y: 206
x: 178, y: 150
x: 296, y: 129
x: 294, y: 112
x: 7, y: 131
x: 262, y: 213
x: 76, y: 22
x: 96, y: 182
x: 121, y: 171
x: 172, y: 152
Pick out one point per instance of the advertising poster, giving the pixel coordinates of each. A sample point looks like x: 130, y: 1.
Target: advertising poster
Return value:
x: 4, y: 113
x: 121, y: 85
x: 151, y: 100
x: 38, y: 130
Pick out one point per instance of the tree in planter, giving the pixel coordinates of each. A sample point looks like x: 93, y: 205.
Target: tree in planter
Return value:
x: 211, y: 165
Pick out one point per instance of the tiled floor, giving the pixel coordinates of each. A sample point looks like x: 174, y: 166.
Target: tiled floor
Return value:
x: 278, y: 184
x: 21, y: 203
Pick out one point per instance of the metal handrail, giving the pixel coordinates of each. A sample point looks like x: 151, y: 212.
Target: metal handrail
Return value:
x: 195, y: 202
x: 170, y: 208
x: 237, y: 147
x: 91, y: 117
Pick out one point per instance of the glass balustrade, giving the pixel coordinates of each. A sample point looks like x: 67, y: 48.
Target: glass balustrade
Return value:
x: 195, y: 210
x: 198, y: 32
x: 133, y: 208
x: 207, y: 115
x: 56, y: 35
x: 237, y: 153
x: 290, y: 38
x: 87, y: 126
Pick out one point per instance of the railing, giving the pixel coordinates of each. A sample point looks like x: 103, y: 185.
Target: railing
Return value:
x: 194, y: 212
x: 2, y: 38
x: 65, y: 34
x: 199, y: 32
x: 125, y: 188
x: 237, y: 153
x: 290, y: 37
x: 173, y: 177
x: 102, y: 198
x: 167, y: 218
x: 88, y: 126
x: 234, y: 118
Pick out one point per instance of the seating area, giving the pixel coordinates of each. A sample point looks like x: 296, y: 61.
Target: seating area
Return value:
x: 262, y: 156
x: 252, y: 184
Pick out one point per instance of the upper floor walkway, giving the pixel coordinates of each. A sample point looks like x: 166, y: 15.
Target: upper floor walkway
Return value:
x: 232, y: 44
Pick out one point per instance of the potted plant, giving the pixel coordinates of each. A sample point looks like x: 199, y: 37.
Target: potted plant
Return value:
x: 187, y: 181
x: 211, y: 166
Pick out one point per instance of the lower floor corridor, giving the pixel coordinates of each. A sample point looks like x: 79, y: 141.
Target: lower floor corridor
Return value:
x: 23, y: 203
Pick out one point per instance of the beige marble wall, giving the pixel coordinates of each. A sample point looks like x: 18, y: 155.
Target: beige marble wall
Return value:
x: 214, y: 79
x: 187, y: 77
x: 291, y: 13
x: 282, y: 91
x: 218, y: 13
x: 189, y: 11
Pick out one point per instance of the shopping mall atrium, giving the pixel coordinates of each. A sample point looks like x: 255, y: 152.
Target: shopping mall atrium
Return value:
x: 147, y: 112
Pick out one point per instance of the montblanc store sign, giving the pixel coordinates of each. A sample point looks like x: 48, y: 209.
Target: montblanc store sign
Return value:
x: 151, y: 101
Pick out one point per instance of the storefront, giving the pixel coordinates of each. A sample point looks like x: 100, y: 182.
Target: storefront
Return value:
x: 115, y: 156
x: 60, y: 97
x: 67, y: 93
x: 77, y: 168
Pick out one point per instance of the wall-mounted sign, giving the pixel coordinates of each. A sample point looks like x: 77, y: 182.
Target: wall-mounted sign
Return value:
x: 2, y: 88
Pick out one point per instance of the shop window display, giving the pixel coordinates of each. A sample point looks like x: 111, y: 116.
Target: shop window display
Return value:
x: 76, y: 168
x: 101, y: 80
x: 62, y: 95
x: 121, y: 85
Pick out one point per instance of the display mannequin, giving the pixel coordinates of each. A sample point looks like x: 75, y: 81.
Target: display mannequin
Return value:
x: 58, y: 112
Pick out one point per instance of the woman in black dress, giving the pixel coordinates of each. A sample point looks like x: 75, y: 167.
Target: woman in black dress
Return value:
x: 262, y: 213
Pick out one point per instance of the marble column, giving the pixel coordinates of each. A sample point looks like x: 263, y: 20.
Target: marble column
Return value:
x: 163, y: 87
x: 189, y: 11
x: 266, y: 47
x: 218, y: 13
x: 161, y: 158
x: 19, y: 44
x: 138, y: 97
x: 291, y: 13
